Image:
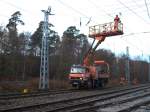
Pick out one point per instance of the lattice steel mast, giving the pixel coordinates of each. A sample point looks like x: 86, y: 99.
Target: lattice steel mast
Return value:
x: 44, y: 67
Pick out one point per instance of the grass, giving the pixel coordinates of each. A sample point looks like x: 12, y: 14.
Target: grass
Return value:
x: 31, y: 85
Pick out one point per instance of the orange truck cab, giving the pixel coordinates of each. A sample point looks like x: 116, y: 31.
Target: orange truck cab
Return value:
x: 79, y: 75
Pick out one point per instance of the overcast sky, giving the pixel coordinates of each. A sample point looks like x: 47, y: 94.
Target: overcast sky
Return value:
x: 133, y: 13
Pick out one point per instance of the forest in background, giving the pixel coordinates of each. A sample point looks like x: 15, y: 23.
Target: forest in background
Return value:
x: 20, y: 54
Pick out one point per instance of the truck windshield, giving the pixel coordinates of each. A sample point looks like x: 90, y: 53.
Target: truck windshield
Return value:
x: 77, y: 70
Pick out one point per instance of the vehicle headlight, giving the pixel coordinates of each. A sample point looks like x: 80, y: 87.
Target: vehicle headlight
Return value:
x: 81, y: 78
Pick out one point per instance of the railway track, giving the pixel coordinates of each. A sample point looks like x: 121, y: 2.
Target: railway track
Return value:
x: 87, y: 103
x: 121, y: 103
x: 143, y: 108
x: 7, y: 96
x: 35, y: 94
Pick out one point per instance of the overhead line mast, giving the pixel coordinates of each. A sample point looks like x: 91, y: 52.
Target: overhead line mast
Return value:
x: 44, y: 67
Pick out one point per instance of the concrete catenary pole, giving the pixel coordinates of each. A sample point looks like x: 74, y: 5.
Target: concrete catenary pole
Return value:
x: 44, y: 67
x: 149, y: 70
x: 127, y: 71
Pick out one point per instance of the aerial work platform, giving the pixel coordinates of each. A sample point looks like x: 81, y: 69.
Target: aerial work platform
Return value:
x: 108, y: 29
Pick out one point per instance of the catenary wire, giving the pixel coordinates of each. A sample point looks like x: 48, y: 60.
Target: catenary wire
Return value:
x: 112, y: 16
x: 63, y: 4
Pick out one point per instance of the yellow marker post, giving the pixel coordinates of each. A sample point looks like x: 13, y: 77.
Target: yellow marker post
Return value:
x: 25, y: 91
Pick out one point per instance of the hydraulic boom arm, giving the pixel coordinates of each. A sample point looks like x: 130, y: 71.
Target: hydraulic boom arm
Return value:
x: 90, y: 53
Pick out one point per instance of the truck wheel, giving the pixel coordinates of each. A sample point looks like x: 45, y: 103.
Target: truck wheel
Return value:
x: 76, y: 86
x: 89, y: 84
x: 102, y: 83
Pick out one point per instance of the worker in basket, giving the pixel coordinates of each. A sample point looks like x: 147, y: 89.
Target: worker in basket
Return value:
x: 116, y: 23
